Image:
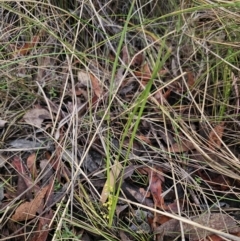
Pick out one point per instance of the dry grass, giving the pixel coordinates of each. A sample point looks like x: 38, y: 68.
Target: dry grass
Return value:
x: 119, y: 96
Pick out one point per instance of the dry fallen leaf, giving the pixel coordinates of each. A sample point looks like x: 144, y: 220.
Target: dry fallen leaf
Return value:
x: 24, y: 180
x: 155, y: 184
x: 36, y: 116
x: 185, y: 145
x: 43, y: 227
x: 28, y: 210
x: 26, y: 48
x: 217, y: 221
x: 84, y: 78
x: 97, y: 89
x: 215, y: 136
x: 31, y: 164
x: 190, y: 79
x: 145, y: 74
x: 138, y: 60
x: 214, y: 237
x: 125, y: 55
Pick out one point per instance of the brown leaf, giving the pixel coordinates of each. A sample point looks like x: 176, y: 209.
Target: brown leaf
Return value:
x: 31, y: 164
x: 28, y: 210
x: 23, y: 174
x: 218, y: 181
x: 138, y: 60
x: 190, y: 79
x: 137, y: 195
x: 125, y: 55
x: 19, y: 166
x: 185, y: 145
x: 97, y: 89
x: 43, y: 227
x: 215, y: 136
x: 145, y: 74
x: 155, y: 184
x: 25, y: 49
x: 36, y: 116
x: 214, y: 237
x: 217, y: 221
x: 144, y: 139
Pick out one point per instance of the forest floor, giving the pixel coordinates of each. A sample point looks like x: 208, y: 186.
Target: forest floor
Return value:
x: 120, y: 127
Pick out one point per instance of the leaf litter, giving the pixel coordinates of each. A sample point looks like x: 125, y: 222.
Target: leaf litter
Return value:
x: 172, y: 162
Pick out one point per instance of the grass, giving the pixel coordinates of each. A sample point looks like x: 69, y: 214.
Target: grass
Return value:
x: 141, y: 86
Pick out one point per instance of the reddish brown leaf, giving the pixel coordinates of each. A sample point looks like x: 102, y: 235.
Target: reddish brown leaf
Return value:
x: 217, y: 221
x: 23, y: 172
x: 190, y: 79
x: 155, y: 184
x: 163, y: 72
x: 145, y: 74
x: 159, y: 96
x: 43, y: 227
x: 22, y: 187
x: 19, y: 166
x: 25, y: 49
x: 185, y: 145
x: 31, y: 164
x: 97, y: 89
x: 28, y: 210
x: 138, y: 60
x: 218, y: 181
x: 144, y: 138
x: 139, y: 196
x: 213, y: 237
x: 161, y: 219
x: 215, y: 136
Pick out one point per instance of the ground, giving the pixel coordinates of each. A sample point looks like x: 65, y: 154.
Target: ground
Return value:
x: 119, y: 120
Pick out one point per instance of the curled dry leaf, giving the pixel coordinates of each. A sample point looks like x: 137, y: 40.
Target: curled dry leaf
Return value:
x: 36, y: 116
x: 28, y: 210
x: 215, y: 136
x: 97, y: 89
